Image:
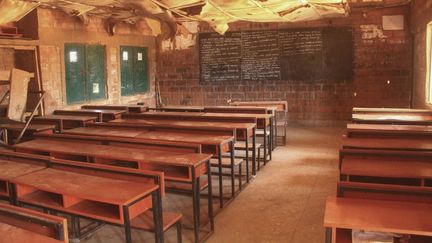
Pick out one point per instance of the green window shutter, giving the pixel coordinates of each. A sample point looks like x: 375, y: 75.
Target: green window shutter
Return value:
x: 75, y: 66
x: 96, y: 72
x: 126, y: 70
x: 140, y: 70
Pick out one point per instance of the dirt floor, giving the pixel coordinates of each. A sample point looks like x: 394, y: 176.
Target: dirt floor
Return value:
x: 284, y: 203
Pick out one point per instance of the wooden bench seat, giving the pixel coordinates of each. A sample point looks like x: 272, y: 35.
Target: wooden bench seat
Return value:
x: 344, y: 214
x: 226, y: 162
x: 127, y: 108
x: 21, y: 225
x: 95, y: 197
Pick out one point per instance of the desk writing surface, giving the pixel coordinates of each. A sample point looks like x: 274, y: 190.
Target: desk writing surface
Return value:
x: 95, y: 188
x: 174, y: 107
x: 377, y: 215
x: 388, y: 127
x: 386, y: 166
x: 171, y: 113
x: 13, y: 234
x: 104, y: 111
x: 65, y: 117
x: 188, y: 137
x: 257, y: 116
x: 9, y: 169
x: 390, y: 110
x: 31, y: 127
x: 120, y: 153
x: 197, y: 124
x: 389, y: 143
x: 104, y: 131
x: 393, y: 117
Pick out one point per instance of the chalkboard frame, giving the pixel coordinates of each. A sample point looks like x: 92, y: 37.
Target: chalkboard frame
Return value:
x: 341, y: 78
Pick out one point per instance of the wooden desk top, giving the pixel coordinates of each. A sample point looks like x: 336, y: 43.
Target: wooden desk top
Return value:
x: 95, y: 188
x: 104, y: 111
x: 238, y: 107
x: 9, y: 169
x: 282, y: 105
x: 12, y: 234
x: 188, y: 137
x: 105, y: 131
x: 195, y: 124
x: 65, y: 117
x: 386, y: 166
x: 186, y: 108
x: 388, y: 143
x: 120, y: 153
x: 171, y: 113
x: 393, y: 118
x: 31, y: 127
x: 390, y: 110
x: 257, y: 116
x: 387, y: 128
x: 377, y: 215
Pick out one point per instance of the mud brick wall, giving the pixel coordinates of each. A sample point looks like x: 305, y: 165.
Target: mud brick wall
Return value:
x: 382, y: 72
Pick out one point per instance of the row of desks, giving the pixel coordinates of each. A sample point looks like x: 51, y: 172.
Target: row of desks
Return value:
x: 385, y: 176
x: 107, y: 194
x: 141, y: 127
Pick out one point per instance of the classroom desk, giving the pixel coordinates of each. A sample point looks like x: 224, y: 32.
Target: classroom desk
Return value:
x: 411, y: 144
x: 344, y: 214
x: 388, y: 130
x: 249, y: 110
x: 281, y: 106
x: 110, y: 200
x: 400, y: 119
x: 103, y: 115
x: 174, y: 108
x: 180, y: 167
x: 14, y: 130
x: 214, y: 144
x: 244, y: 131
x: 64, y: 122
x: 361, y: 110
x: 127, y: 108
x: 10, y: 170
x: 22, y: 225
x: 264, y: 121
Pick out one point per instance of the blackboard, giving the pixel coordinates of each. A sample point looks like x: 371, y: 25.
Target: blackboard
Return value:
x: 313, y: 54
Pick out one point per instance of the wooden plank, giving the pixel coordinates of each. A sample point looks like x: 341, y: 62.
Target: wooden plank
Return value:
x: 18, y: 94
x: 370, y: 110
x: 5, y: 75
x: 377, y: 215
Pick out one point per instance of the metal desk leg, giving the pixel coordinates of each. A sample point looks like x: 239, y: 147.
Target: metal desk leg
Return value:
x: 127, y: 226
x: 232, y: 169
x: 247, y: 157
x: 220, y: 176
x: 210, y: 197
x: 157, y: 215
x: 275, y: 130
x: 254, y: 157
x: 285, y: 127
x: 271, y: 139
x: 196, y: 205
x: 179, y: 232
x: 328, y: 235
x: 265, y: 144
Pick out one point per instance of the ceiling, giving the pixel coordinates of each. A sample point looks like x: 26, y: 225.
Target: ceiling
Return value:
x: 170, y: 14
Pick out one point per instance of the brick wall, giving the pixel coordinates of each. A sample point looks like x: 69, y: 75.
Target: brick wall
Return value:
x: 56, y: 28
x: 421, y: 14
x: 380, y: 56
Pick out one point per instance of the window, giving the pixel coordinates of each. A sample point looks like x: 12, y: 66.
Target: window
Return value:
x: 429, y: 60
x: 134, y: 70
x: 85, y: 72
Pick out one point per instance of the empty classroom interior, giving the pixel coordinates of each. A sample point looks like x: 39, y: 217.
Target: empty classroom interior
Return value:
x: 267, y: 121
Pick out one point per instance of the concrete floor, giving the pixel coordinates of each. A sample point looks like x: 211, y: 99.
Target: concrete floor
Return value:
x: 284, y: 203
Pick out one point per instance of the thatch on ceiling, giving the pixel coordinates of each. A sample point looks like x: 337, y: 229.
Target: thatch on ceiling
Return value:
x: 170, y: 13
